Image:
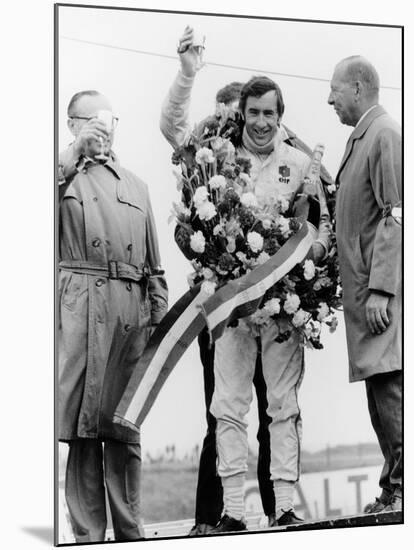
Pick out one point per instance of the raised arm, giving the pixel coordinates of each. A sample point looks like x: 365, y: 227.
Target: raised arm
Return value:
x: 174, y: 121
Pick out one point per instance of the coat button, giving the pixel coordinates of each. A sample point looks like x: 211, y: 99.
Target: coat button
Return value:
x: 129, y: 247
x: 127, y: 327
x: 99, y: 282
x: 95, y: 199
x: 96, y: 243
x: 129, y: 286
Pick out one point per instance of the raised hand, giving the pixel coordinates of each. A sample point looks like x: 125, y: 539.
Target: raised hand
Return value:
x: 189, y: 56
x: 90, y: 132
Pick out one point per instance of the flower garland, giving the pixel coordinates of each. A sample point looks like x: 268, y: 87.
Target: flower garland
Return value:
x: 225, y: 233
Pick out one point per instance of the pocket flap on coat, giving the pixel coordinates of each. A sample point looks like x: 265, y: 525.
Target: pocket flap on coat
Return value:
x: 128, y: 193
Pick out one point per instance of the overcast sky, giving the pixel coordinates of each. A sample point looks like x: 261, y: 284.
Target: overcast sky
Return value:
x: 333, y: 410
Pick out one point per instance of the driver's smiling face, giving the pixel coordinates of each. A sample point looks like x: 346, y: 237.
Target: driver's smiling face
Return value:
x: 261, y: 117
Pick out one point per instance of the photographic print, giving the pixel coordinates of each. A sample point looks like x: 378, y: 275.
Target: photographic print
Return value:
x: 229, y: 286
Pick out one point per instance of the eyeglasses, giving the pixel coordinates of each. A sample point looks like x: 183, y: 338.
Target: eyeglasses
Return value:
x: 115, y: 119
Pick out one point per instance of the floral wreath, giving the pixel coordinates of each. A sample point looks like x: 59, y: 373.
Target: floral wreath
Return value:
x: 225, y: 234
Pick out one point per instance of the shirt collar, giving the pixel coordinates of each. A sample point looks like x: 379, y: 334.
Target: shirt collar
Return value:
x: 365, y: 114
x: 283, y: 135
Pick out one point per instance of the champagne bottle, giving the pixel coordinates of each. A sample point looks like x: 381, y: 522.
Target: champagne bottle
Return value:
x: 311, y: 180
x: 307, y: 199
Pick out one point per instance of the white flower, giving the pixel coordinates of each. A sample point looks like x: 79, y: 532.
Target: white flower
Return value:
x: 198, y: 242
x: 231, y: 245
x: 262, y: 257
x: 245, y: 178
x: 282, y: 204
x: 284, y: 226
x: 218, y: 143
x: 204, y: 155
x: 300, y: 318
x: 200, y: 195
x: 331, y: 188
x: 259, y: 317
x: 291, y: 303
x: 206, y: 211
x: 208, y: 287
x: 207, y: 273
x: 180, y: 209
x: 323, y: 311
x: 233, y: 227
x: 249, y: 199
x: 217, y: 182
x: 272, y: 306
x: 267, y: 224
x: 308, y: 270
x: 255, y: 241
x: 218, y: 229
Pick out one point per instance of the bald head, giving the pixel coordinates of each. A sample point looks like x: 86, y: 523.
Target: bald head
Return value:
x: 354, y: 88
x: 358, y: 69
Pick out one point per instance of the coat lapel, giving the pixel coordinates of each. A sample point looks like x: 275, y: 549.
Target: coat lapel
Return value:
x: 358, y: 132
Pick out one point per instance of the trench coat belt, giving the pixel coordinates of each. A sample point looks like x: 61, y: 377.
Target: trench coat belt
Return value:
x: 113, y: 269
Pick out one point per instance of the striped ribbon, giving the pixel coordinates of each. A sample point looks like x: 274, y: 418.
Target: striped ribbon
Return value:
x: 189, y: 315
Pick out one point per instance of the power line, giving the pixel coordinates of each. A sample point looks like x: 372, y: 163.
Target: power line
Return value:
x: 154, y: 54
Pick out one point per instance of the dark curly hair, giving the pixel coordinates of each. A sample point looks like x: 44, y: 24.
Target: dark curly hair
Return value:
x: 229, y: 93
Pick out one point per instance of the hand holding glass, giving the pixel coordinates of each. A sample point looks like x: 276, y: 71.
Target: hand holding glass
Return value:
x: 198, y: 45
x: 107, y: 118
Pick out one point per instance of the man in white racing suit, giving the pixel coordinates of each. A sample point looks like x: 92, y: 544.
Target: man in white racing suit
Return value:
x: 278, y: 170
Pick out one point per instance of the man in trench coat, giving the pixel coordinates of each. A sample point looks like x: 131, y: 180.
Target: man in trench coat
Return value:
x: 368, y: 229
x: 111, y: 293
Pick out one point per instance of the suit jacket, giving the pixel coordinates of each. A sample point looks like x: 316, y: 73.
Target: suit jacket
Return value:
x: 369, y: 240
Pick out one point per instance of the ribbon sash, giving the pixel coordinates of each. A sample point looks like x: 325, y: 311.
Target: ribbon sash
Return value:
x: 190, y: 314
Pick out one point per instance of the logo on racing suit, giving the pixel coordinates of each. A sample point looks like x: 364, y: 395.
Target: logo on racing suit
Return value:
x: 284, y: 174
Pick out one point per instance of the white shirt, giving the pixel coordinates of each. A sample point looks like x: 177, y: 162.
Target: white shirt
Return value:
x: 365, y: 114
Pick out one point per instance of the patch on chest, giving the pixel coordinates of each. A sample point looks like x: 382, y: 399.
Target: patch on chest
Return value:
x: 284, y: 174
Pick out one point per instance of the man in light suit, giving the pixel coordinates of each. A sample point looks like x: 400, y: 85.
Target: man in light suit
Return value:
x: 368, y: 229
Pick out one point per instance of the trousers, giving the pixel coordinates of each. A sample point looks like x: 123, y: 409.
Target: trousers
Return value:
x: 234, y: 367
x: 384, y: 394
x: 209, y: 494
x: 93, y: 468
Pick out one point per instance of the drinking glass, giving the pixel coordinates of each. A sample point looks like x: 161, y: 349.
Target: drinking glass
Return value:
x: 199, y: 44
x: 106, y: 117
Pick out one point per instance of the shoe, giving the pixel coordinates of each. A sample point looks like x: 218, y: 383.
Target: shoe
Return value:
x: 375, y: 507
x: 395, y: 504
x: 288, y: 518
x: 227, y: 524
x: 200, y: 529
